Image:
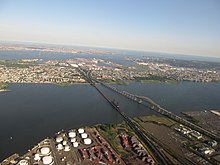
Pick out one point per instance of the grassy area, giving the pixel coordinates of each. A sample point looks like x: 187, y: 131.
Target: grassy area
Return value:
x: 17, y: 63
x: 191, y: 118
x: 150, y: 81
x: 172, y: 81
x: 3, y: 87
x: 154, y: 79
x: 64, y: 85
x: 69, y: 84
x: 111, y: 133
x: 156, y: 119
x: 119, y: 82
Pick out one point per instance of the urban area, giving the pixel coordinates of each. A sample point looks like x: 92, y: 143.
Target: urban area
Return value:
x: 142, y: 70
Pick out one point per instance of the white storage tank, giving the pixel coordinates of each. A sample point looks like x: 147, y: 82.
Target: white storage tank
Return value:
x: 72, y: 134
x: 47, y: 160
x: 59, y: 146
x: 67, y: 148
x: 59, y: 139
x: 73, y: 140
x: 23, y: 162
x: 64, y: 142
x: 75, y: 144
x: 87, y: 141
x: 84, y: 135
x: 81, y: 130
x: 45, y: 150
x: 37, y: 157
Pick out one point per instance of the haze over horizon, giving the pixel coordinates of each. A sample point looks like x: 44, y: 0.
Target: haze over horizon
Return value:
x: 185, y: 27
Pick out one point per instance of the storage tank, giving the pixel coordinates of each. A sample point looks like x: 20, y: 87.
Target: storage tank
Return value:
x: 47, y: 160
x: 73, y: 140
x: 87, y: 141
x: 64, y: 142
x: 75, y: 144
x: 59, y: 139
x: 37, y: 157
x: 59, y: 146
x: 67, y: 148
x: 81, y: 130
x: 23, y: 162
x: 72, y: 134
x: 84, y: 135
x: 45, y: 150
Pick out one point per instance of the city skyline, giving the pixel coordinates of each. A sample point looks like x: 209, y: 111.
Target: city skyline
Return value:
x: 185, y: 27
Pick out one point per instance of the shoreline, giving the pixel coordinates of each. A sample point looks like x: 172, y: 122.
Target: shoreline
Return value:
x: 4, y: 90
x: 155, y: 121
x: 128, y: 82
x: 4, y: 87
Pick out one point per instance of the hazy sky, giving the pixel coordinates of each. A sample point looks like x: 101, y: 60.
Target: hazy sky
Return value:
x: 183, y: 26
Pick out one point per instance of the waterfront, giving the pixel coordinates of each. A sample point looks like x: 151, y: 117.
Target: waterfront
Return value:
x: 31, y: 112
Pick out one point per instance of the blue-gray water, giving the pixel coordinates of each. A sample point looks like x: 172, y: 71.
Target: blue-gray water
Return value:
x: 185, y: 96
x: 31, y: 112
x: 12, y: 54
x: 120, y: 57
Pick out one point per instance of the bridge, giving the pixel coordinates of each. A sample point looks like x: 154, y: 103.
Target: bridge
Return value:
x: 154, y: 106
x: 159, y: 150
x: 150, y: 104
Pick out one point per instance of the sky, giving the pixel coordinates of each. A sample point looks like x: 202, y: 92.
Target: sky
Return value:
x: 176, y: 26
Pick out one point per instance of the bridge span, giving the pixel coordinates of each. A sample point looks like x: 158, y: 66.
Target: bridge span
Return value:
x: 150, y: 104
x: 159, y: 150
x: 154, y: 106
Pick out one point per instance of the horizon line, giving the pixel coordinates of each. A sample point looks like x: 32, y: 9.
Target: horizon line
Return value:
x: 107, y: 47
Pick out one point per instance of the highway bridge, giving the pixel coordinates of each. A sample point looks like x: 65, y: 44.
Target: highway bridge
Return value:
x: 150, y: 104
x: 154, y: 106
x: 158, y: 150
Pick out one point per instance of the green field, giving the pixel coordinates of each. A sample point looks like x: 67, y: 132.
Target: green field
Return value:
x: 154, y: 79
x: 111, y: 133
x: 119, y: 82
x: 65, y: 85
x: 16, y: 63
x: 3, y: 86
x: 156, y: 119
